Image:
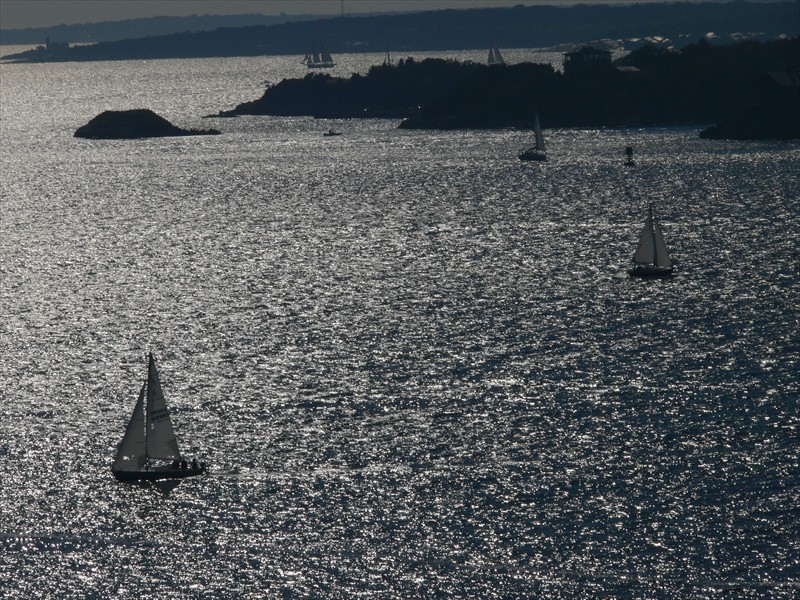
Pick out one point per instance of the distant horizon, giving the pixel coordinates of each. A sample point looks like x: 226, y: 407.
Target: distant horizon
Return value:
x: 35, y: 14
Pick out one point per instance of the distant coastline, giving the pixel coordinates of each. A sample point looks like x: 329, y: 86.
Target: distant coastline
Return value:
x: 670, y: 25
x: 15, y: 49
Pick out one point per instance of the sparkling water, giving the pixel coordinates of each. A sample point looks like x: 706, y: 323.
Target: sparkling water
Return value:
x: 415, y: 364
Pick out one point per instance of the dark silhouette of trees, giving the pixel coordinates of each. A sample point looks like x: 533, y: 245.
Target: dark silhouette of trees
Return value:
x: 385, y: 91
x: 701, y: 83
x: 698, y: 84
x: 517, y: 27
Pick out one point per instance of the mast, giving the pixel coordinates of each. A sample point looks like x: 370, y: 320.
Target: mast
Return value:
x: 652, y: 233
x: 538, y: 131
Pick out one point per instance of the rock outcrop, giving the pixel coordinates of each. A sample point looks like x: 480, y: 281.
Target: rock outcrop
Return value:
x: 133, y: 124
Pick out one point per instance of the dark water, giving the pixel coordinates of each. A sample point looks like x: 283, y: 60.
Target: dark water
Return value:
x: 415, y: 365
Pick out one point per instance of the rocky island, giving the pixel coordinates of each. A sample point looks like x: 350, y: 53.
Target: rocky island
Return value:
x: 699, y: 84
x: 386, y: 91
x: 133, y: 124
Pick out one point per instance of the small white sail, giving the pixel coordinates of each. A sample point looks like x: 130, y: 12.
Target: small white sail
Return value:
x: 495, y: 58
x: 645, y: 252
x: 132, y: 452
x: 538, y: 131
x: 161, y: 441
x: 652, y: 250
x: 661, y: 258
x: 537, y: 151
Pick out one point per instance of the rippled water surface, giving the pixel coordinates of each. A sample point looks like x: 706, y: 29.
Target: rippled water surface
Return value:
x: 416, y: 366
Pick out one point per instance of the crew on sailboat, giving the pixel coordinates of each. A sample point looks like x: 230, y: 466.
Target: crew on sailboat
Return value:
x: 149, y: 449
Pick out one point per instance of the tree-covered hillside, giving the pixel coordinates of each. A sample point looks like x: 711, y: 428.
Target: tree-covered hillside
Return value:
x: 676, y: 23
x: 701, y: 83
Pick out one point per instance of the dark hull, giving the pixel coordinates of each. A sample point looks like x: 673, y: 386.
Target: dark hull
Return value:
x: 532, y: 155
x: 650, y: 273
x: 157, y: 475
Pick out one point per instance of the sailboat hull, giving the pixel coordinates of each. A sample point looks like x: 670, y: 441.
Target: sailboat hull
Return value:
x: 157, y: 475
x: 650, y: 272
x: 532, y: 155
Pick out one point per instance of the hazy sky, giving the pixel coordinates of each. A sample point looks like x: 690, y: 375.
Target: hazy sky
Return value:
x: 18, y: 14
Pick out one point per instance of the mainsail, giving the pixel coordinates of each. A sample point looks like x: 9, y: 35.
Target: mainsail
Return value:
x: 495, y: 58
x: 537, y: 151
x: 149, y: 435
x: 652, y: 250
x: 161, y: 442
x: 132, y: 450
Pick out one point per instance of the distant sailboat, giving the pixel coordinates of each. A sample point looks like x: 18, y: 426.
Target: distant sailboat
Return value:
x: 629, y: 162
x: 651, y: 258
x: 149, y: 450
x: 536, y: 152
x: 495, y: 58
x: 319, y: 58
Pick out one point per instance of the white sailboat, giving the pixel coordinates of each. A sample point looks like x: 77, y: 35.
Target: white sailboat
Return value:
x: 495, y: 58
x: 149, y: 449
x: 319, y: 58
x: 651, y: 258
x: 536, y: 152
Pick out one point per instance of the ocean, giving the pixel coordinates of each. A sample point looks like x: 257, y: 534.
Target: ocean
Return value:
x: 415, y: 365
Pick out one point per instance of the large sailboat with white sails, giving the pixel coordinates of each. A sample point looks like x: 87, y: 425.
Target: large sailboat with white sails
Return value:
x: 149, y: 449
x: 651, y: 258
x: 319, y: 57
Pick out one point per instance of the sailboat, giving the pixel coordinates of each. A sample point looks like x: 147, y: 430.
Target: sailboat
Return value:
x: 319, y: 58
x: 651, y: 258
x: 536, y: 152
x: 629, y: 162
x: 149, y: 450
x: 495, y: 58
